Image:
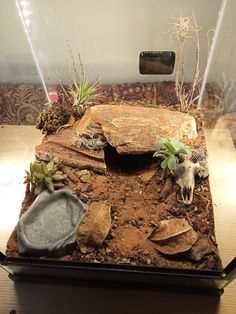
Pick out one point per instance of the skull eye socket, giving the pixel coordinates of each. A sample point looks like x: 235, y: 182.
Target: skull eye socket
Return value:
x: 179, y: 172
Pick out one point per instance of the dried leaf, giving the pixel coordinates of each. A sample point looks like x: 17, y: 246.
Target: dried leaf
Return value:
x: 178, y: 244
x: 169, y: 228
x: 201, y: 248
x: 94, y: 227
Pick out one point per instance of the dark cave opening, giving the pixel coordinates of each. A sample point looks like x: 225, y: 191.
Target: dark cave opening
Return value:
x: 126, y: 163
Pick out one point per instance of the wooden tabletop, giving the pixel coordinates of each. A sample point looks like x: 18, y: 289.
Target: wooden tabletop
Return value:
x: 16, y: 152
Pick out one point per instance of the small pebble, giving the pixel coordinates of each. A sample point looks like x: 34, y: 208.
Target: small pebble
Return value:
x: 153, y: 224
x: 84, y: 198
x: 84, y: 187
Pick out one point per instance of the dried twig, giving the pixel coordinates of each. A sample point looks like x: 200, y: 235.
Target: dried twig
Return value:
x: 186, y: 28
x: 203, y: 198
x: 189, y: 219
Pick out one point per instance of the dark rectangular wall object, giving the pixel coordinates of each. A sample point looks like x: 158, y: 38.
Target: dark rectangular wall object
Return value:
x: 156, y: 62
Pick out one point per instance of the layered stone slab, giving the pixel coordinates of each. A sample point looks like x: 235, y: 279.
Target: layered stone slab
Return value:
x: 58, y: 147
x: 133, y: 129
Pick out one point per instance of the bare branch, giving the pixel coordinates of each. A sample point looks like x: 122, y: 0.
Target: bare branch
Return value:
x: 186, y: 28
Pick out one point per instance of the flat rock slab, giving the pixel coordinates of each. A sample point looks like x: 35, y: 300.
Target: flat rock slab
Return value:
x: 133, y: 129
x: 58, y: 147
x: 49, y: 225
x: 48, y: 151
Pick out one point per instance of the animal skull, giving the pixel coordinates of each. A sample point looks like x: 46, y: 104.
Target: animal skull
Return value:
x: 185, y: 177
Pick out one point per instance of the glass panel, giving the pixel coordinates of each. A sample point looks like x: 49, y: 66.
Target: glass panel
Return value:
x: 219, y: 110
x: 109, y: 35
x: 102, y: 41
x: 21, y: 93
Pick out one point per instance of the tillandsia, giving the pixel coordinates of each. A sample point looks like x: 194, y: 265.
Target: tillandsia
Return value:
x: 44, y: 176
x: 84, y: 92
x: 81, y: 90
x: 91, y: 143
x: 169, y: 149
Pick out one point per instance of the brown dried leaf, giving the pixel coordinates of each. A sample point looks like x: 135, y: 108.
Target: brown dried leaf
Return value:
x: 94, y: 227
x: 201, y: 248
x: 178, y: 244
x: 169, y: 228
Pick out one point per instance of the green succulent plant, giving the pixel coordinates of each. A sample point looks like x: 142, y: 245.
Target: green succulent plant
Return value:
x: 168, y: 149
x: 44, y: 176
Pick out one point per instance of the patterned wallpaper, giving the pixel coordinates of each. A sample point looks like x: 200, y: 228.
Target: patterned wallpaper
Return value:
x: 22, y: 103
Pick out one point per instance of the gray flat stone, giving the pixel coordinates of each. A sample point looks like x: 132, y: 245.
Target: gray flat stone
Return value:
x: 49, y: 225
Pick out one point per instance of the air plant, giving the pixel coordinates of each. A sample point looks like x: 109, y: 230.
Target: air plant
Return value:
x: 44, y: 176
x: 169, y: 149
x: 82, y: 90
x: 91, y: 143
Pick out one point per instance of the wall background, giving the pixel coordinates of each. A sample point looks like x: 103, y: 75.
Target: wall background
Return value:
x: 109, y: 35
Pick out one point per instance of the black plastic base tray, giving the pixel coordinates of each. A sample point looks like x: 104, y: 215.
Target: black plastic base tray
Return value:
x: 145, y: 277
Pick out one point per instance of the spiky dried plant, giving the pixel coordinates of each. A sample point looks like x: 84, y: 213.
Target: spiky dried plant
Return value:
x: 184, y: 29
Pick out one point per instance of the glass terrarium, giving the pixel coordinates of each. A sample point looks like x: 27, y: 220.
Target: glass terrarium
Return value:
x: 131, y: 110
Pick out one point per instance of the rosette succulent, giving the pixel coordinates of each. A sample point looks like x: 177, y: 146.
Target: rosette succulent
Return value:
x: 168, y: 149
x: 44, y: 176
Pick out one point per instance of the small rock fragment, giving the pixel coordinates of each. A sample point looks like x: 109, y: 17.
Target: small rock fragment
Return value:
x: 94, y: 227
x: 167, y: 189
x: 84, y: 187
x: 147, y: 175
x: 84, y: 176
